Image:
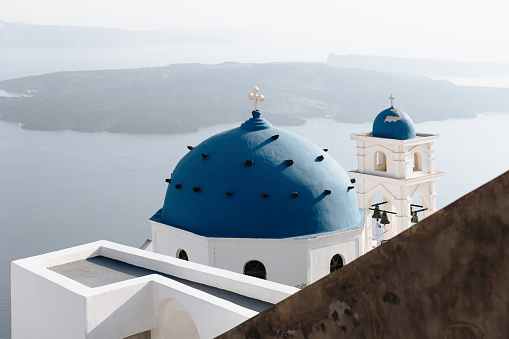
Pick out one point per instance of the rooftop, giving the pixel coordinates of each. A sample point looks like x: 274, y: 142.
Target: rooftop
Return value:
x: 100, y: 271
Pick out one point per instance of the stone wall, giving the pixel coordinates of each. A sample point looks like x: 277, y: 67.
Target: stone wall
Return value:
x: 446, y: 277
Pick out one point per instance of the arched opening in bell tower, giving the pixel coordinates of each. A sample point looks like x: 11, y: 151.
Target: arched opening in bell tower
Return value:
x: 415, y: 207
x: 420, y: 207
x: 417, y: 162
x: 380, y: 161
x: 381, y: 223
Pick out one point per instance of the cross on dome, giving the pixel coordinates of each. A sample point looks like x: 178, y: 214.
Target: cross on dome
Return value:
x: 392, y: 100
x: 256, y: 97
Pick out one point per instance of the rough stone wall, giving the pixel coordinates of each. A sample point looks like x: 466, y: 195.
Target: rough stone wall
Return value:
x: 446, y: 277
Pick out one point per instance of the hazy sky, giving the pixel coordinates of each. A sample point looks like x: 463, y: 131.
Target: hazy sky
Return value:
x: 306, y: 30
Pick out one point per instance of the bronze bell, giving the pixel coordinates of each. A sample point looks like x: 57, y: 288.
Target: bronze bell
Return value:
x: 376, y: 213
x: 384, y: 220
x: 415, y: 218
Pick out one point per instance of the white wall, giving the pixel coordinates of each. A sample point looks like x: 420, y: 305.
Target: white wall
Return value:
x: 168, y: 241
x: 289, y: 261
x: 399, y: 154
x: 41, y: 308
x: 46, y: 304
x: 321, y: 253
x: 285, y: 262
x: 369, y: 150
x: 120, y: 310
x: 248, y: 286
x: 212, y: 316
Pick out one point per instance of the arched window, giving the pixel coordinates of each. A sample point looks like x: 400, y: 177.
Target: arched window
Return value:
x: 380, y: 162
x: 336, y: 262
x: 181, y: 254
x: 417, y: 162
x: 256, y: 269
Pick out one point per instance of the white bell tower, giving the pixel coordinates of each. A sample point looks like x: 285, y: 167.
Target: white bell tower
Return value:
x: 398, y: 164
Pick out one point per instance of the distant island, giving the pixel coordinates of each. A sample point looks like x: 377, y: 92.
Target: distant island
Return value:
x: 53, y: 36
x: 28, y: 49
x: 181, y: 98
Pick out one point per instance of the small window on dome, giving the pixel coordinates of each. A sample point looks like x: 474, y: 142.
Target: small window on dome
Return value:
x: 336, y: 262
x: 417, y: 162
x: 256, y: 269
x: 181, y: 254
x: 380, y: 162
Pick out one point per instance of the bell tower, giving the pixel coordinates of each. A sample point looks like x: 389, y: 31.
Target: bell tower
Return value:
x: 398, y: 164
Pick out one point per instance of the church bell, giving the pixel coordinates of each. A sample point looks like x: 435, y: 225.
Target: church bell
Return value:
x: 385, y: 219
x: 415, y: 218
x: 376, y: 213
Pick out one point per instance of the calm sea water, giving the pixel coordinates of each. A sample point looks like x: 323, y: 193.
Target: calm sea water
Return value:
x: 496, y: 80
x: 61, y: 189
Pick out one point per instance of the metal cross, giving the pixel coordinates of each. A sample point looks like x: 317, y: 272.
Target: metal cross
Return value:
x: 392, y: 100
x: 257, y: 97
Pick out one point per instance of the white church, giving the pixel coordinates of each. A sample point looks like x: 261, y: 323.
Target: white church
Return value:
x: 248, y: 214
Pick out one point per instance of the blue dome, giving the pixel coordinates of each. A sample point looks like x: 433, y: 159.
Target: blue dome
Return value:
x: 257, y: 181
x: 393, y: 124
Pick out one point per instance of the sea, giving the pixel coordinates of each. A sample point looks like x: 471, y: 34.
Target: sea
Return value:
x: 62, y: 188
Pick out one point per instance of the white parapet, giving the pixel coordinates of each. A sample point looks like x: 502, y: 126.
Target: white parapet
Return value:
x: 73, y: 294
